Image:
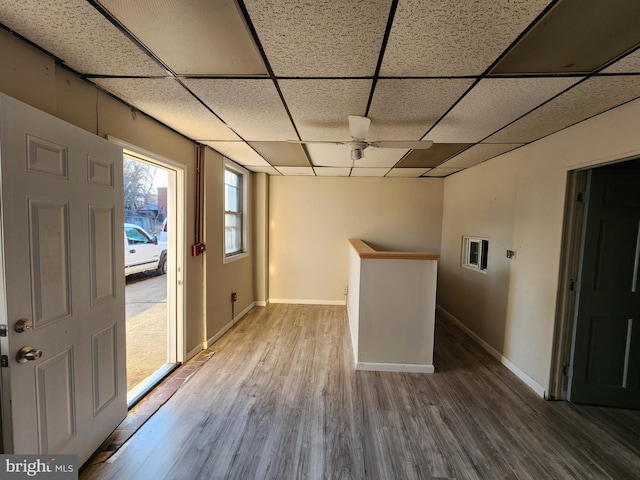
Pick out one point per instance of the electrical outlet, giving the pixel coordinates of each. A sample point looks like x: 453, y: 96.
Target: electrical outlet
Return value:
x: 345, y: 290
x: 234, y: 296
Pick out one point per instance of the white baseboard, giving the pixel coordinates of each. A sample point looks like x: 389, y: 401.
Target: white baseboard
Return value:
x: 226, y: 328
x: 262, y: 303
x: 394, y: 367
x: 195, y: 351
x: 530, y: 382
x: 297, y: 301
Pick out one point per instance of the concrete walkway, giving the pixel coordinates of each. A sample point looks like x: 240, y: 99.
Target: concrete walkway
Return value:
x: 146, y: 310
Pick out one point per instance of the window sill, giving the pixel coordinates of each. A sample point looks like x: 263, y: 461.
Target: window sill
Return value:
x: 233, y: 258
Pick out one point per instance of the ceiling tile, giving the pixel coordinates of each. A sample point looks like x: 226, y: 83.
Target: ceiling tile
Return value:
x: 628, y: 64
x: 407, y: 172
x: 239, y: 152
x: 304, y: 171
x: 320, y: 108
x: 441, y: 172
x: 181, y: 33
x: 593, y: 96
x: 329, y: 155
x: 478, y: 154
x: 168, y: 102
x: 432, y: 37
x: 405, y: 109
x: 435, y: 155
x: 369, y: 172
x: 77, y: 33
x: 252, y: 108
x: 381, y: 157
x: 332, y: 172
x: 268, y: 170
x: 492, y: 104
x: 575, y: 36
x: 350, y: 33
x: 282, y: 153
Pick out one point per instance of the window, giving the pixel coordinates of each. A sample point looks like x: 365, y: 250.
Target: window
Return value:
x: 475, y: 253
x: 235, y: 234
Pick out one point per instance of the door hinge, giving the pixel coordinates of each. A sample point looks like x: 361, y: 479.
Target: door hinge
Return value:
x: 582, y: 197
x: 565, y: 370
x: 4, y: 361
x: 3, y: 330
x: 572, y: 285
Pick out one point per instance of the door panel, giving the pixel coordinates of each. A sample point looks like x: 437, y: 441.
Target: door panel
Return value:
x: 606, y: 352
x: 49, y: 260
x: 62, y: 269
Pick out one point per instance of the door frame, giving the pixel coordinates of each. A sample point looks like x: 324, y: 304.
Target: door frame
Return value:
x: 568, y: 285
x: 176, y: 273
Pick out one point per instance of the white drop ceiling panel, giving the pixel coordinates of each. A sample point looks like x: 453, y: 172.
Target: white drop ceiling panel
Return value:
x: 267, y: 170
x: 477, y: 154
x: 329, y: 155
x: 407, y: 172
x: 170, y: 103
x: 441, y: 172
x: 587, y: 99
x: 405, y: 109
x: 494, y: 103
x: 182, y: 32
x: 320, y: 108
x: 239, y: 152
x: 628, y: 64
x: 320, y: 38
x: 303, y: 171
x: 252, y: 108
x: 369, y: 172
x: 380, y: 157
x: 332, y: 172
x: 75, y: 32
x: 432, y: 37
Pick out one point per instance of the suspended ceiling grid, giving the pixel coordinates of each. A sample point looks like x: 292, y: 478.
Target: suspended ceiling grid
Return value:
x: 477, y: 78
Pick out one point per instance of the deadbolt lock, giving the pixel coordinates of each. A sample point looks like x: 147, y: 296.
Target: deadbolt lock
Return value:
x: 26, y: 354
x: 22, y: 325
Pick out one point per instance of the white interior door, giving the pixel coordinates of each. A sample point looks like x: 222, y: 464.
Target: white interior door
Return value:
x: 63, y: 273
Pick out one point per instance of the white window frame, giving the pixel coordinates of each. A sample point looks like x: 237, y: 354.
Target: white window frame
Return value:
x: 480, y: 252
x: 244, y: 175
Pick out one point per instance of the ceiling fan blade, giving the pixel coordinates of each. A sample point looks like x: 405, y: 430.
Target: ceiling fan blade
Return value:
x: 359, y: 127
x: 414, y: 144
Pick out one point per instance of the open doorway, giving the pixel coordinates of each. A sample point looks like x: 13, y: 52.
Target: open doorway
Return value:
x: 596, y: 355
x: 154, y: 206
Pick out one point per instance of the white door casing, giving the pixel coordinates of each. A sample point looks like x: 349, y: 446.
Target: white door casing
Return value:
x: 63, y: 270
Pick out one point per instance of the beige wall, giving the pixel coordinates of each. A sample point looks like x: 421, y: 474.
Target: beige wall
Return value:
x: 517, y: 201
x: 32, y: 77
x: 222, y: 279
x: 312, y: 218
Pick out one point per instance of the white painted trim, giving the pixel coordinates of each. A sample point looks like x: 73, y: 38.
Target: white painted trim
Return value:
x: 530, y: 382
x: 192, y: 353
x: 395, y: 367
x: 220, y: 333
x: 262, y: 303
x: 226, y: 328
x: 298, y: 301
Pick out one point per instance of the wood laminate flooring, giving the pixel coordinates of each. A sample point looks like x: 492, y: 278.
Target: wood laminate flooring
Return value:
x: 280, y: 399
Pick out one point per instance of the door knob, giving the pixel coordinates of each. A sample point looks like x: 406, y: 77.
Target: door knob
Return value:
x: 22, y: 325
x: 28, y: 353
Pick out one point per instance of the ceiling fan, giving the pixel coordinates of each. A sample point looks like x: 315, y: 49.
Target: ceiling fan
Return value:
x: 359, y: 128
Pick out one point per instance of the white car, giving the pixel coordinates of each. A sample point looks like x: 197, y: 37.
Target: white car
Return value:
x: 143, y: 252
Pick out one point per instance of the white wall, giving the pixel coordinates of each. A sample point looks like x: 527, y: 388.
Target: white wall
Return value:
x: 312, y: 218
x: 517, y: 201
